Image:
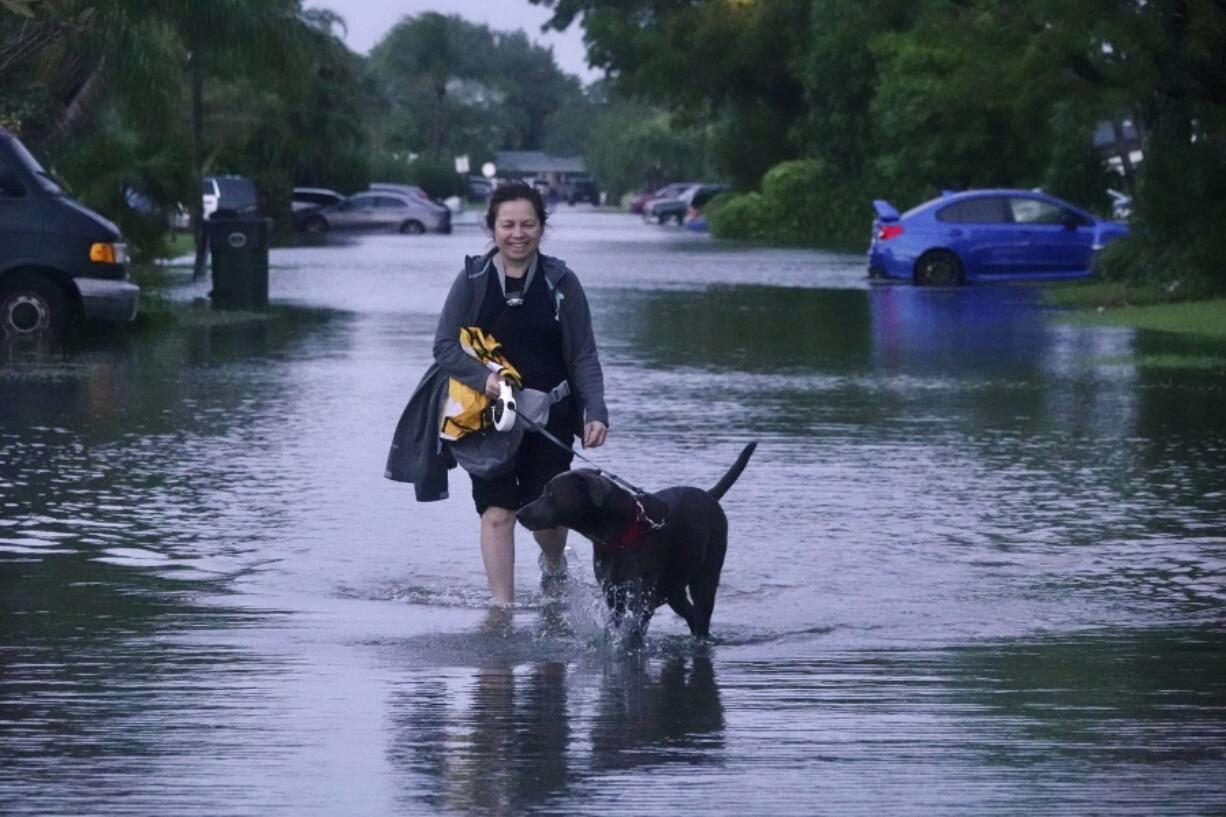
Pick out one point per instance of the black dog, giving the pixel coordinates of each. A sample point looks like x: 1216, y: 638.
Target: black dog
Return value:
x: 649, y: 549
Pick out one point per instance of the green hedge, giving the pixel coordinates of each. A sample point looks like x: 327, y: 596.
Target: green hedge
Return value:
x: 800, y: 204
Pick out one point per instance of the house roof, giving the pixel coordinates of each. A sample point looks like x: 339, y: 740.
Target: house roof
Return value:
x: 536, y: 161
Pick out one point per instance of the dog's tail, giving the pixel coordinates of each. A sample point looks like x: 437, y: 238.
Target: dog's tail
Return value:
x: 724, y: 484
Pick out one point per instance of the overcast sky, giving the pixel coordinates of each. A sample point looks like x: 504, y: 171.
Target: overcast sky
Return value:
x: 369, y: 20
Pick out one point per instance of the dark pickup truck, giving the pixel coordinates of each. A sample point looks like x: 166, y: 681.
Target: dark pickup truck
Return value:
x: 60, y: 262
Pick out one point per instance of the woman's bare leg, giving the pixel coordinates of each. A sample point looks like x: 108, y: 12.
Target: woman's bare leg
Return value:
x: 498, y: 553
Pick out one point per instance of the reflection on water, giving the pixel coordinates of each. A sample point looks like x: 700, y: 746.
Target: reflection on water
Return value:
x: 516, y: 736
x: 977, y: 565
x: 747, y: 329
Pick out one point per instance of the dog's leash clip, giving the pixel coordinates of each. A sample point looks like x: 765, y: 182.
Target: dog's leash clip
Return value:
x: 643, y: 517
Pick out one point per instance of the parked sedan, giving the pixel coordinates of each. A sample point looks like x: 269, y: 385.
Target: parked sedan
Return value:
x: 311, y: 198
x: 380, y: 211
x: 580, y: 190
x: 675, y: 210
x: 986, y: 235
x: 668, y: 191
x: 411, y: 190
x: 307, y: 200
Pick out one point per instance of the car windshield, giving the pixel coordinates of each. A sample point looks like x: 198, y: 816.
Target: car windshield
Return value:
x: 46, y: 181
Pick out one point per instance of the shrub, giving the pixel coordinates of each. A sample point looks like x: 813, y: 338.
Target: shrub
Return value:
x: 745, y: 217
x: 800, y: 204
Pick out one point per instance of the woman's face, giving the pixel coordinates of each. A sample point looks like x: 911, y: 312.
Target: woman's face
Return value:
x: 517, y: 230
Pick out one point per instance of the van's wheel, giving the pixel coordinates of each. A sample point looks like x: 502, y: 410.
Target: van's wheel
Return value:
x: 412, y: 228
x: 939, y: 268
x: 33, y: 306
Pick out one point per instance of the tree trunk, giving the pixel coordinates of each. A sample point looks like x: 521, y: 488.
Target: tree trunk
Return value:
x: 78, y: 106
x: 196, y: 77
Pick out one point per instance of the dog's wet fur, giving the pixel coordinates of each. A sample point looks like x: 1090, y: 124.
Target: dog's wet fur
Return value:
x: 641, y: 567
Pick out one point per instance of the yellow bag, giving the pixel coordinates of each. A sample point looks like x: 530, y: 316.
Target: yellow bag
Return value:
x: 465, y: 409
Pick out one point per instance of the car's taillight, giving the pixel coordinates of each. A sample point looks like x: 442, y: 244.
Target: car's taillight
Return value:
x: 887, y: 231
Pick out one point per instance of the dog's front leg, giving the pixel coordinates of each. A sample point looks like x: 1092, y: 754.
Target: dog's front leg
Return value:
x: 640, y: 617
x: 617, y: 598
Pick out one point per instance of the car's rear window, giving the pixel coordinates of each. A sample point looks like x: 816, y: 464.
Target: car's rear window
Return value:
x: 237, y: 193
x: 985, y: 210
x: 1037, y: 211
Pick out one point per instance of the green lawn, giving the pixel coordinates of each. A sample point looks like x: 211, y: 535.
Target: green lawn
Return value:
x: 1203, y: 318
x: 1110, y: 304
x: 179, y: 244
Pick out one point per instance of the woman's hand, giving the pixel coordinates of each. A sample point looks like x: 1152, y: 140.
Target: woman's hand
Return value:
x: 493, y: 386
x: 594, y: 434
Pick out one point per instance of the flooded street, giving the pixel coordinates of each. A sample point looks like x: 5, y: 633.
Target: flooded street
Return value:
x: 977, y: 565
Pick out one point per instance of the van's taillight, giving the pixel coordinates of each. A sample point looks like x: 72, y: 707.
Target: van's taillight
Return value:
x: 108, y: 253
x: 887, y: 231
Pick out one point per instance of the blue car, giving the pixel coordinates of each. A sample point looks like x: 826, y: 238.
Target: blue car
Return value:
x: 986, y: 235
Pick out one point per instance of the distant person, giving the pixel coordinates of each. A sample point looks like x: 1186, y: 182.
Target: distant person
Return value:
x: 534, y: 306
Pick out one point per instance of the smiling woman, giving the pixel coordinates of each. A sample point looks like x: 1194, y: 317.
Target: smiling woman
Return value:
x: 533, y: 309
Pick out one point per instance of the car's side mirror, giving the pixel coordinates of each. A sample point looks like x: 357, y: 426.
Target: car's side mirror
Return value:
x: 1071, y: 221
x: 10, y: 185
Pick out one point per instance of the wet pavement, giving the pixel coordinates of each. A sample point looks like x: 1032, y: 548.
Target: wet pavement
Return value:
x: 977, y: 565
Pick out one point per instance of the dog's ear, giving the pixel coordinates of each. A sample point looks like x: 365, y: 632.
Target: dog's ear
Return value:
x: 598, y: 488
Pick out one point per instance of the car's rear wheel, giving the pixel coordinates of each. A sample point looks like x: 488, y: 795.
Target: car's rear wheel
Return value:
x: 939, y: 268
x: 315, y: 224
x: 412, y: 228
x: 33, y: 306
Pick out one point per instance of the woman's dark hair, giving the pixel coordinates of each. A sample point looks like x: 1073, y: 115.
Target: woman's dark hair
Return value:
x: 514, y: 192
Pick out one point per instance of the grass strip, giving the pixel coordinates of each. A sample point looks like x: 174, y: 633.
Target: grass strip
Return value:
x: 1200, y: 318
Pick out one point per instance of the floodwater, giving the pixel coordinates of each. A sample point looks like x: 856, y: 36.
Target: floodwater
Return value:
x: 977, y: 565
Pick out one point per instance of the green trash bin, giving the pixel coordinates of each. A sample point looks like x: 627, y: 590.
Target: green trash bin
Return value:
x: 239, y: 247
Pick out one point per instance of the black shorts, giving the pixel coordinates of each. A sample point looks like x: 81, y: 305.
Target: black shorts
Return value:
x: 537, y: 461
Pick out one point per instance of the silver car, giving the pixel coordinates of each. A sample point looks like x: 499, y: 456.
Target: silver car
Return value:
x: 380, y: 210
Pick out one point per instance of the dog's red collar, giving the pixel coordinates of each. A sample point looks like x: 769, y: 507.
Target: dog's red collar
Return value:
x: 631, y: 536
x: 636, y: 530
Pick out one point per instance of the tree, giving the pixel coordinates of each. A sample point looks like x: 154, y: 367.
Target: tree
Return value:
x: 633, y: 146
x: 453, y: 87
x: 732, y: 64
x: 994, y: 92
x: 135, y: 101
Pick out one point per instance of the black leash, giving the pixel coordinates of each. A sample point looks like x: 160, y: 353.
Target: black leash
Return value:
x: 635, y: 492
x: 629, y: 486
